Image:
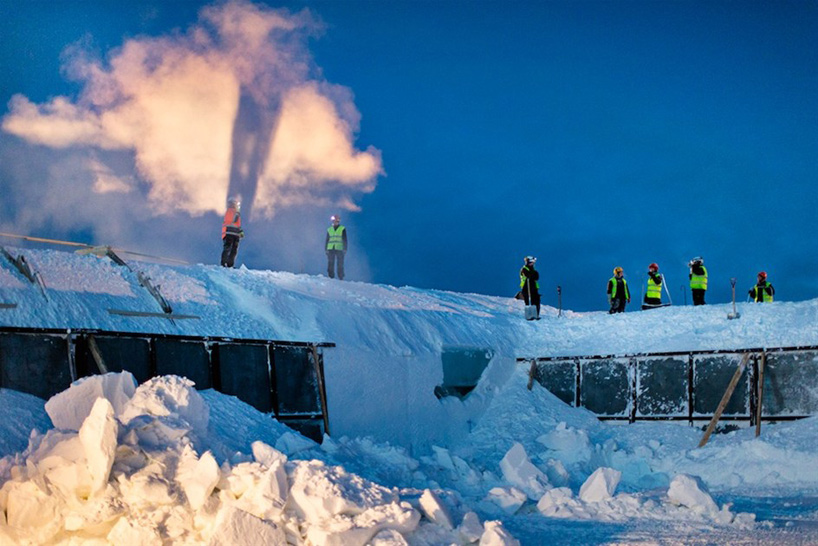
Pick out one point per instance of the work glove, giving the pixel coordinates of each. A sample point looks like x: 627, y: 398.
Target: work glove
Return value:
x: 241, y: 234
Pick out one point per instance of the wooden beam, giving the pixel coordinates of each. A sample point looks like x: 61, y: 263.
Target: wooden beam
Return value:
x: 169, y: 316
x: 725, y: 399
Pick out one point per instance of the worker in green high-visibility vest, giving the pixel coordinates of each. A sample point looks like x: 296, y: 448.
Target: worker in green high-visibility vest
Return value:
x: 618, y: 293
x: 336, y: 247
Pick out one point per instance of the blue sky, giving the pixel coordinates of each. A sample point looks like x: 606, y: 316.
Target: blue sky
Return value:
x: 589, y: 134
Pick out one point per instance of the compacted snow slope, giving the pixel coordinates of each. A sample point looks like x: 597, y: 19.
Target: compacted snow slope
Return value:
x: 110, y: 462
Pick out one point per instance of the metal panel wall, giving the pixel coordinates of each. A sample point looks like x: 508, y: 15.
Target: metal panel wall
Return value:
x: 37, y: 365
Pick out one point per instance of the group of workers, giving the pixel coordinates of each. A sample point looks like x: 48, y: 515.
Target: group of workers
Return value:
x: 335, y: 242
x: 619, y: 294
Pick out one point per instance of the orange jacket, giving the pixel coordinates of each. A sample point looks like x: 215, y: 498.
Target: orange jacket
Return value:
x: 232, y: 223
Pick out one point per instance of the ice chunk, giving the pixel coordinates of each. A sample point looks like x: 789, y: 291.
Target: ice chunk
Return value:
x: 691, y: 492
x: 435, y: 510
x: 519, y: 471
x: 510, y: 499
x: 69, y: 408
x: 496, y: 535
x: 600, y: 485
x: 470, y: 528
x: 234, y: 526
x: 197, y: 476
x: 98, y: 438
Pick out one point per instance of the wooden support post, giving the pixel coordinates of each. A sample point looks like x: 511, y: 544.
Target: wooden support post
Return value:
x: 322, y: 392
x: 760, y: 391
x: 97, y: 354
x: 725, y: 399
x: 531, y: 372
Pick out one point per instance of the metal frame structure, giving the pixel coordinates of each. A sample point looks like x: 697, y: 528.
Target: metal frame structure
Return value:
x: 83, y: 357
x: 757, y: 357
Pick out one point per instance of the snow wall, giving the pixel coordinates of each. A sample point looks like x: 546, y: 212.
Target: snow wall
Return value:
x: 391, y: 343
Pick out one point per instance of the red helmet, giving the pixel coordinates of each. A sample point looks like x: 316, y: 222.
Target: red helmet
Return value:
x: 762, y: 274
x: 653, y: 267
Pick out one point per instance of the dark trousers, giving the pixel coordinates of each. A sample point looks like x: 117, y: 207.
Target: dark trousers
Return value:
x: 698, y: 296
x: 617, y: 306
x: 334, y: 256
x: 533, y: 300
x: 231, y: 248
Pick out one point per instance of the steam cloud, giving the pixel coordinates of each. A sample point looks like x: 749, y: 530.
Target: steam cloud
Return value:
x: 231, y: 106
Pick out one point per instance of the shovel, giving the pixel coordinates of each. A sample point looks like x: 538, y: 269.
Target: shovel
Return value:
x: 735, y: 314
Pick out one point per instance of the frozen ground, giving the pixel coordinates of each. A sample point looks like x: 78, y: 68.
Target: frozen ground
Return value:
x: 163, y: 463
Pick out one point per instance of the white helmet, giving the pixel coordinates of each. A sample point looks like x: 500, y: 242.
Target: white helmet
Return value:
x: 234, y: 202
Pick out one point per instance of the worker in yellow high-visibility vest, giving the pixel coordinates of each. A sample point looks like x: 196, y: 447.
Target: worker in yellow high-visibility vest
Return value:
x: 336, y: 247
x: 618, y: 292
x: 653, y: 294
x: 763, y: 291
x: 698, y: 280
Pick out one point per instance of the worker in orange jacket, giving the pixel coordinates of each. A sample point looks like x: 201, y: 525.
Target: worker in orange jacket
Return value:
x: 231, y: 232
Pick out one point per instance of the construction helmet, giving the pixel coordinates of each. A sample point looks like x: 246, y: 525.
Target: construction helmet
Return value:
x: 698, y: 260
x: 762, y: 274
x: 618, y: 270
x: 335, y: 218
x: 530, y: 260
x: 653, y: 267
x: 234, y: 202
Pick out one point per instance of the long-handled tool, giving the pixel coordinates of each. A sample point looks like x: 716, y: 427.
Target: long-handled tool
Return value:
x: 735, y: 314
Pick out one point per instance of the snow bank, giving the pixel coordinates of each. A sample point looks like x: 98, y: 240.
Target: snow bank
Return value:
x: 125, y: 470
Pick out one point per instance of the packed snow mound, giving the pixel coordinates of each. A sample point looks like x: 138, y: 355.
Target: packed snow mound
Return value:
x: 254, y: 304
x: 126, y: 470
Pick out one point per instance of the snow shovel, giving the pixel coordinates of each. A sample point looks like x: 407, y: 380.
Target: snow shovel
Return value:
x: 530, y: 310
x: 735, y: 314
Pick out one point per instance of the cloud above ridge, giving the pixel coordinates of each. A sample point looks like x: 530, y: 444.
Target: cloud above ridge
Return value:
x: 173, y: 102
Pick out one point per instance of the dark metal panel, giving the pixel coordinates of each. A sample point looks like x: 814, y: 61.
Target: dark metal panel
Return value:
x: 559, y: 377
x: 244, y: 372
x: 296, y: 384
x: 120, y: 353
x: 605, y: 386
x: 35, y: 364
x: 189, y: 359
x: 661, y: 386
x: 711, y: 375
x: 790, y: 383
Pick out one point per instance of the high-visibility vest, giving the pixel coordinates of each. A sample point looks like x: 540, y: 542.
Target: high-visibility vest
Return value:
x: 523, y: 278
x: 615, y: 285
x: 699, y: 281
x: 232, y: 222
x: 336, y: 238
x: 765, y: 297
x: 654, y: 290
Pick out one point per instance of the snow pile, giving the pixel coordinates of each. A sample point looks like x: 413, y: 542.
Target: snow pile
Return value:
x: 123, y: 467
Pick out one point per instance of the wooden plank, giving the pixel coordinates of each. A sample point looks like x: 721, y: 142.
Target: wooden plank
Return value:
x: 760, y: 398
x: 170, y: 316
x: 97, y: 354
x: 724, y: 400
